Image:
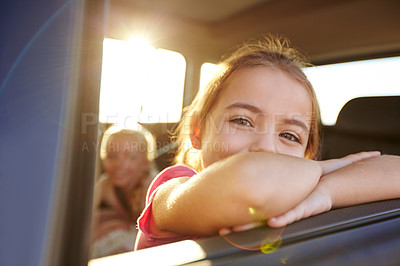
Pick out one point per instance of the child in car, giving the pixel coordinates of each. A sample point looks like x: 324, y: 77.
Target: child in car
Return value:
x: 249, y: 145
x: 120, y: 191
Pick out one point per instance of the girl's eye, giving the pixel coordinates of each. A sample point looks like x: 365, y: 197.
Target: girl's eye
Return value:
x: 241, y: 121
x: 290, y: 137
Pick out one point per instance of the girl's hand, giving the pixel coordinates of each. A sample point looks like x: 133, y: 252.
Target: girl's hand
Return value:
x: 226, y: 230
x: 331, y: 165
x: 318, y: 201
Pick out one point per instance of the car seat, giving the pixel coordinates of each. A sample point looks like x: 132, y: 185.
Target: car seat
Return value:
x: 366, y: 123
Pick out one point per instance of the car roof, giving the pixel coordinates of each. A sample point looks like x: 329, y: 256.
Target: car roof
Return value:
x: 328, y: 31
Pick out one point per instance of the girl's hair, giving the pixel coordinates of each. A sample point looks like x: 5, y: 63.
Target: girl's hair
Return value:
x: 143, y: 138
x: 270, y: 51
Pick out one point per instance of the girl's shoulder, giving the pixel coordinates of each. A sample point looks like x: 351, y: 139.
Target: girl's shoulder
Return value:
x: 104, y: 191
x: 178, y: 170
x: 102, y: 182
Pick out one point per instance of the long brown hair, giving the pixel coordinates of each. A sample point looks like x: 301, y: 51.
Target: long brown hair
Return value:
x: 270, y: 51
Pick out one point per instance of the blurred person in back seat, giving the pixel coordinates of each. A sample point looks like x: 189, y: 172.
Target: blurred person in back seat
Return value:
x: 120, y: 191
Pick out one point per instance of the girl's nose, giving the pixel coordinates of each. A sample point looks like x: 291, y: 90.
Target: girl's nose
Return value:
x: 263, y: 142
x: 122, y: 162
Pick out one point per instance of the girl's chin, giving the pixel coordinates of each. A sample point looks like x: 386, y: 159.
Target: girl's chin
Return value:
x: 124, y: 182
x: 120, y: 181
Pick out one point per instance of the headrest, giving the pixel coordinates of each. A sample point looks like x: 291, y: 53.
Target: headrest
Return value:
x: 378, y: 116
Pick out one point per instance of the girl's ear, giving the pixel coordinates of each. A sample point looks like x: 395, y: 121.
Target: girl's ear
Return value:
x: 195, y: 134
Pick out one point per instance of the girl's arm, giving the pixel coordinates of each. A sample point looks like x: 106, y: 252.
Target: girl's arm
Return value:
x: 241, y: 189
x: 368, y: 180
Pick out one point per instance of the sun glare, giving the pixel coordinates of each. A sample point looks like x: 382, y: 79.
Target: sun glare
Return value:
x: 207, y: 72
x: 140, y: 83
x: 139, y: 43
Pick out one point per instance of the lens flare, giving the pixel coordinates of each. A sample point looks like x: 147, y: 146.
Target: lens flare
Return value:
x: 255, y: 216
x: 271, y: 243
x: 267, y: 242
x: 251, y: 211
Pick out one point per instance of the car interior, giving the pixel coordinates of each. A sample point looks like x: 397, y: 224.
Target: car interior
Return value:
x: 50, y: 78
x: 365, y: 123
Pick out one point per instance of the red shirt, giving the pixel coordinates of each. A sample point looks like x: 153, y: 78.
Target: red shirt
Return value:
x: 145, y: 237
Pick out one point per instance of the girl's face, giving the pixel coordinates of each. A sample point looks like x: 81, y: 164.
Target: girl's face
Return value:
x: 261, y: 109
x: 126, y: 161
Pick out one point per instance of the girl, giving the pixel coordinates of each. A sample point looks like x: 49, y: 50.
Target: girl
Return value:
x: 247, y: 154
x: 120, y: 191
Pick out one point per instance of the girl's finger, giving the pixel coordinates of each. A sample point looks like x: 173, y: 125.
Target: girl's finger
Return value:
x: 362, y: 155
x: 246, y: 226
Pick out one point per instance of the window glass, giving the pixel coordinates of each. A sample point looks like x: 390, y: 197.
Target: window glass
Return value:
x: 140, y: 83
x: 336, y: 84
x: 207, y: 71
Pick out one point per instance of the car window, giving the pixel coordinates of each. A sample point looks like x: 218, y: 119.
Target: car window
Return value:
x: 140, y: 83
x: 336, y: 84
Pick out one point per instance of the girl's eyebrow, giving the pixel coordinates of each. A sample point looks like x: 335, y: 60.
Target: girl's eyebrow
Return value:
x: 296, y: 122
x: 255, y: 109
x: 251, y: 108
